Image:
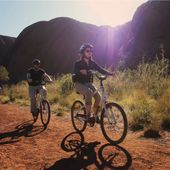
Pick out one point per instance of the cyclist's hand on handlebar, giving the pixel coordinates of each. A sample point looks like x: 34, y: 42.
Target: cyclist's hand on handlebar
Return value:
x: 29, y: 80
x: 83, y: 71
x: 92, y: 71
x: 111, y: 74
x: 49, y: 81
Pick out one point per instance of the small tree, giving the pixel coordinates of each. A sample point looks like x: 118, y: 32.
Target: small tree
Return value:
x: 3, y: 74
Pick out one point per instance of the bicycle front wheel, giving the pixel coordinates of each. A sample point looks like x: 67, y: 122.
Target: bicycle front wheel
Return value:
x: 114, y: 123
x: 78, y: 115
x: 45, y: 112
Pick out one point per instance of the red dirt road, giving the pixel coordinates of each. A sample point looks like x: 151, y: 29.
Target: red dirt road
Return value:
x: 24, y: 145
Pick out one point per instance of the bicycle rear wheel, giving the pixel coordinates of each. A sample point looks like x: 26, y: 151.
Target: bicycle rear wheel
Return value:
x: 45, y: 112
x: 114, y: 123
x: 78, y: 115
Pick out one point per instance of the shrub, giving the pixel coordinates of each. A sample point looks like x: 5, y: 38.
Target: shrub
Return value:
x: 141, y: 114
x: 151, y: 133
x: 4, y: 99
x: 3, y: 74
x: 166, y: 122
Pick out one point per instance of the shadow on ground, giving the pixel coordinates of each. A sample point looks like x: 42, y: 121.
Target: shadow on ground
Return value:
x: 25, y: 129
x: 84, y: 155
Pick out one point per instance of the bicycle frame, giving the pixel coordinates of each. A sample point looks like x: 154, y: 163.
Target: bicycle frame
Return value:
x: 39, y: 96
x: 104, y: 99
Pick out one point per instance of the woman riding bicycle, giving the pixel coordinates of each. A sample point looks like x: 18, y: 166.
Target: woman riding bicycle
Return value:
x: 83, y: 78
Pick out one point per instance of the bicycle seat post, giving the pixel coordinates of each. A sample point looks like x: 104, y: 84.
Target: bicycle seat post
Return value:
x: 101, y: 83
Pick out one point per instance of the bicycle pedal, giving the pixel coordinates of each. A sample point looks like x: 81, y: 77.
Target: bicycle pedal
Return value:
x: 91, y: 121
x: 91, y: 124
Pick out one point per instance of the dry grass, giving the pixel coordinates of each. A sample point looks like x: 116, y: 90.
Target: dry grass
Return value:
x: 144, y: 93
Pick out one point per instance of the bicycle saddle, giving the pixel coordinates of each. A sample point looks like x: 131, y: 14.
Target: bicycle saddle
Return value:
x: 77, y: 92
x: 103, y: 77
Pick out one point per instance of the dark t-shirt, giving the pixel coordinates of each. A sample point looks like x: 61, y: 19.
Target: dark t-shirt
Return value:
x: 36, y: 76
x: 82, y: 65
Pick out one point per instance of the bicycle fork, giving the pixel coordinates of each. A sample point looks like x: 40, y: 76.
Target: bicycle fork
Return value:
x: 111, y: 119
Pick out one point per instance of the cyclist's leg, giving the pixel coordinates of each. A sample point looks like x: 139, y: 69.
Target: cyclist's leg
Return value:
x: 97, y: 102
x: 43, y: 92
x: 32, y: 95
x: 97, y: 98
x: 87, y: 92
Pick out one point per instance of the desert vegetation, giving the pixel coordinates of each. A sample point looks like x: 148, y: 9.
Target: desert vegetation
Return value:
x: 144, y: 93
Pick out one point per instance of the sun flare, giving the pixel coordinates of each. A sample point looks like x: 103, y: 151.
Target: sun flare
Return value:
x: 113, y: 12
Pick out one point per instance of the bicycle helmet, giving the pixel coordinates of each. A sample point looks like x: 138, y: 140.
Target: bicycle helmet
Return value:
x: 36, y: 62
x: 84, y: 46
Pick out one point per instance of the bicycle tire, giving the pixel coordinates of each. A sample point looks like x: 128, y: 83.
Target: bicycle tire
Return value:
x: 44, y: 121
x: 82, y: 108
x: 125, y: 124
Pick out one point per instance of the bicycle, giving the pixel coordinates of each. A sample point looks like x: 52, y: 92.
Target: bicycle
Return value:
x: 43, y: 110
x: 110, y: 117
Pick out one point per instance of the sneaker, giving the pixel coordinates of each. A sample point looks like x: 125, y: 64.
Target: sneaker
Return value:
x: 91, y: 121
x: 35, y: 112
x: 87, y: 117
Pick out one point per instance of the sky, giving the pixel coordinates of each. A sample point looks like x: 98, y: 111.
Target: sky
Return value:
x: 17, y: 15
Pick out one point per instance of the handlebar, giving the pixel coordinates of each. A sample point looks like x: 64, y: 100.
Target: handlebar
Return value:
x: 101, y: 77
x: 43, y: 82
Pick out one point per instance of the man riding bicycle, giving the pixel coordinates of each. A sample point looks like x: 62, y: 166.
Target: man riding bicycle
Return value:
x: 36, y: 78
x: 83, y: 79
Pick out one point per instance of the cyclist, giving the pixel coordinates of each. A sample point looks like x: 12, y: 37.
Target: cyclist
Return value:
x: 36, y: 78
x: 83, y: 79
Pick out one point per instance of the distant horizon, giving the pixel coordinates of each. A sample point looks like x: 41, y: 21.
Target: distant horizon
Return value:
x: 17, y: 15
x: 69, y: 18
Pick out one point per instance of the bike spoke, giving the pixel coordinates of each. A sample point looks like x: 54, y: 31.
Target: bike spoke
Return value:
x: 78, y: 116
x: 45, y: 112
x: 113, y: 123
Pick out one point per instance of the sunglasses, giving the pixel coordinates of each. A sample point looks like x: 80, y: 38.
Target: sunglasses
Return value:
x: 36, y: 64
x: 88, y: 51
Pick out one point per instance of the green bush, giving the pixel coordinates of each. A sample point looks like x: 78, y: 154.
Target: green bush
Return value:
x: 4, y: 99
x: 3, y: 74
x: 141, y: 113
x: 65, y: 84
x: 154, y: 76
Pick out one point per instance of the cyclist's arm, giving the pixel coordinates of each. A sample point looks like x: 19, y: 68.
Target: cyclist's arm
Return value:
x: 101, y: 70
x: 29, y: 77
x: 46, y: 77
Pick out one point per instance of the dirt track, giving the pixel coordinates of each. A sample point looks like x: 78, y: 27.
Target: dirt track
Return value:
x: 24, y: 145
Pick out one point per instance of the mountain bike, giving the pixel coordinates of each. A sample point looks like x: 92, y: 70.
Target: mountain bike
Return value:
x: 113, y: 120
x: 43, y: 109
